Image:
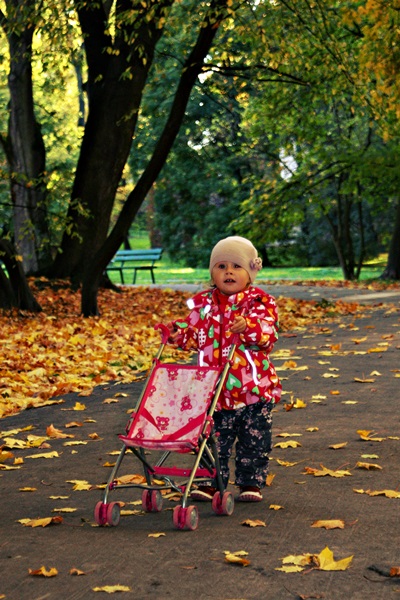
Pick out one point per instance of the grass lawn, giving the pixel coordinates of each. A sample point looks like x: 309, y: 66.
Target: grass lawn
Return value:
x: 168, y: 272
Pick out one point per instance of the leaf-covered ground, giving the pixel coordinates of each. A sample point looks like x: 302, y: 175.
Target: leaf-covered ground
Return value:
x: 46, y: 355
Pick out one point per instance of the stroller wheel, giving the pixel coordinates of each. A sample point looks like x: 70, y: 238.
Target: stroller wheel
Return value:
x: 192, y: 518
x: 113, y: 514
x: 152, y: 501
x: 186, y: 518
x: 100, y: 513
x: 223, y: 504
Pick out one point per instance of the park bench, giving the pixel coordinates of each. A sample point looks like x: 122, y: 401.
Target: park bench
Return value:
x: 138, y: 260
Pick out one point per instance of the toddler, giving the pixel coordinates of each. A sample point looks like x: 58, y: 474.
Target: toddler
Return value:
x: 233, y: 309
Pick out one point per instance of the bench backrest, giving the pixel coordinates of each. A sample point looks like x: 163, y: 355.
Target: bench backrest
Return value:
x: 147, y: 254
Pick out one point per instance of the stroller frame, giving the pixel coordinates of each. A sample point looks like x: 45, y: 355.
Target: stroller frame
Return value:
x: 206, y: 466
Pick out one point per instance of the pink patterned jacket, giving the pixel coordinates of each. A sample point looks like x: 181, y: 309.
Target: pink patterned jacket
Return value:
x: 252, y: 377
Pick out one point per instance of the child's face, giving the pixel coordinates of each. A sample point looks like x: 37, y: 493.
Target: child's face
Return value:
x: 230, y: 278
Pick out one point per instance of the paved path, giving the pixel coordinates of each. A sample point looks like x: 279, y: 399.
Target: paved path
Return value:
x: 308, y: 292
x: 346, y: 373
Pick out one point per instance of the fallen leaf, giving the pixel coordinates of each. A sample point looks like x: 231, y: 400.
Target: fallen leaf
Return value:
x: 74, y: 571
x: 253, y: 523
x: 285, y: 463
x: 111, y: 589
x: 53, y: 454
x: 323, y: 561
x: 330, y: 375
x: 338, y: 446
x: 52, y: 432
x: 387, y: 493
x: 156, y: 535
x: 41, y: 522
x: 289, y: 444
x: 369, y: 455
x: 28, y: 489
x: 269, y: 479
x: 80, y: 485
x: 368, y: 466
x: 366, y: 436
x: 43, y: 572
x: 275, y: 507
x: 327, y: 562
x: 237, y: 558
x: 79, y: 406
x: 329, y: 524
x: 324, y: 471
x: 290, y: 569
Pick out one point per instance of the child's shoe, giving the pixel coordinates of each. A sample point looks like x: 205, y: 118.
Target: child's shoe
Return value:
x: 204, y: 493
x: 250, y: 493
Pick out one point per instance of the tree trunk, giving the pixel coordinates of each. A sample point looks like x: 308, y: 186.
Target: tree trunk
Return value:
x: 392, y: 270
x: 114, y: 101
x: 14, y: 290
x: 25, y: 148
x: 189, y: 74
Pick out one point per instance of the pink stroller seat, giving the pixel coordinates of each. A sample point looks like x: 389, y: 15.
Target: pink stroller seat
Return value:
x: 173, y: 411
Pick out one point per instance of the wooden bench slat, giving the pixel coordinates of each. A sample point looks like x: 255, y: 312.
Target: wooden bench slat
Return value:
x: 135, y: 256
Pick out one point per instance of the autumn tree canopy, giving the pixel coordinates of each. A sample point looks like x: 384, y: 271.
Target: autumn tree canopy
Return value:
x: 242, y: 90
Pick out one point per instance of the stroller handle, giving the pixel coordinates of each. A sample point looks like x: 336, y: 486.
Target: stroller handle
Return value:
x: 165, y: 332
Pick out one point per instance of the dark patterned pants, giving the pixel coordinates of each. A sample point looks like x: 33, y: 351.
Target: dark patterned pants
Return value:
x: 250, y: 426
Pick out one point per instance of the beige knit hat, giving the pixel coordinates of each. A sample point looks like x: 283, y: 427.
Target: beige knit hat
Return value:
x: 238, y: 250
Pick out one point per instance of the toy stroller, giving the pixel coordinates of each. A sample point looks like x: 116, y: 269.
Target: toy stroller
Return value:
x: 174, y: 414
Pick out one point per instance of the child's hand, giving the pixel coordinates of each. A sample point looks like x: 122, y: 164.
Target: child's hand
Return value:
x: 239, y: 324
x: 173, y: 335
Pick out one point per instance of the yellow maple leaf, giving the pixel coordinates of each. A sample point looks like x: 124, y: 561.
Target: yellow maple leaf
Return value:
x: 326, y: 561
x: 338, y: 446
x: 323, y: 471
x: 289, y: 444
x: 79, y: 406
x: 156, y: 535
x: 80, y: 484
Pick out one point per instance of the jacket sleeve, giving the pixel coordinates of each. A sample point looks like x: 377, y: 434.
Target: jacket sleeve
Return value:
x: 261, y: 332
